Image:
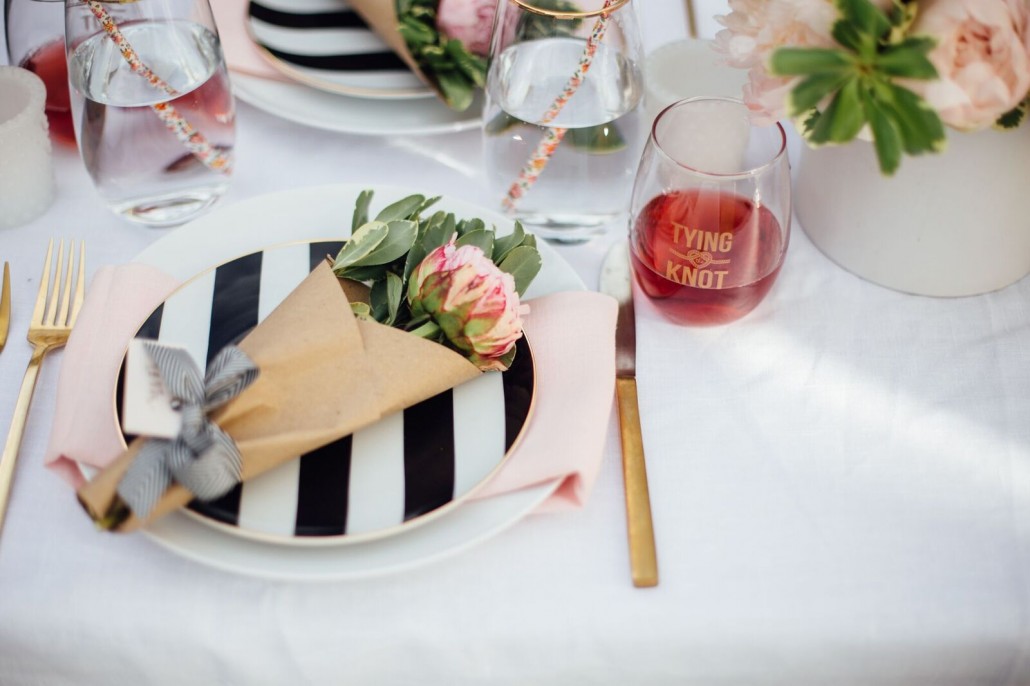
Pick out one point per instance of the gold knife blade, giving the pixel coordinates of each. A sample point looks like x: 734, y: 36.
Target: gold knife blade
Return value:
x: 616, y: 281
x: 5, y: 306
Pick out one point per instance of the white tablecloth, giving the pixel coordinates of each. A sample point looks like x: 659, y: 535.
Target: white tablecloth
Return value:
x: 840, y: 482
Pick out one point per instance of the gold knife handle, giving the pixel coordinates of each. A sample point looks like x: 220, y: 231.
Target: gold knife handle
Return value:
x: 643, y: 559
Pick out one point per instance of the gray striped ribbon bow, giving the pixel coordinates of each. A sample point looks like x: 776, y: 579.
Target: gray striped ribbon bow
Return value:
x: 203, y: 458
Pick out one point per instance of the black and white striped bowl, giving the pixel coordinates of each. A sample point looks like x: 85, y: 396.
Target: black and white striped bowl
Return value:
x: 326, y: 45
x: 385, y: 479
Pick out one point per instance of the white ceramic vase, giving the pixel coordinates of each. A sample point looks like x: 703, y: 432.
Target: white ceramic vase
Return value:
x: 952, y: 224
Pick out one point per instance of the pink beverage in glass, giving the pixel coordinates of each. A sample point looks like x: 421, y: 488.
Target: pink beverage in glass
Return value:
x: 710, y: 257
x: 710, y: 212
x: 48, y: 62
x: 34, y: 32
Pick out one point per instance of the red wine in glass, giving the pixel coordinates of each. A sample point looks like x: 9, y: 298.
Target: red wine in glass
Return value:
x: 49, y: 63
x: 706, y: 257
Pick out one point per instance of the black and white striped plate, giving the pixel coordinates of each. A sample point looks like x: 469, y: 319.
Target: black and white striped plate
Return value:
x: 326, y: 45
x: 385, y: 479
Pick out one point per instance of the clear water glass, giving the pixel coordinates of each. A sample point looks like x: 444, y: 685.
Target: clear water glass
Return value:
x: 152, y: 105
x: 538, y: 91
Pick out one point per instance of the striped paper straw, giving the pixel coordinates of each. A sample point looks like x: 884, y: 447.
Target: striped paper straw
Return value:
x: 553, y: 137
x: 194, y: 141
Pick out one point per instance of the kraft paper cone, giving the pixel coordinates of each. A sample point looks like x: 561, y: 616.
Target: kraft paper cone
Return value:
x: 381, y: 17
x: 323, y: 375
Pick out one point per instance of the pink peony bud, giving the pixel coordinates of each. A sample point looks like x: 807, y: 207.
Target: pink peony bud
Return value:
x: 473, y: 302
x: 469, y: 21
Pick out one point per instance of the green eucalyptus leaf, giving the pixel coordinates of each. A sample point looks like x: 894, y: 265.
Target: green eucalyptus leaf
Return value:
x: 416, y: 33
x: 482, y: 239
x: 450, y: 225
x: 920, y: 126
x: 426, y: 204
x: 402, y: 209
x: 908, y: 59
x: 807, y: 61
x: 394, y: 293
x: 423, y: 12
x: 369, y: 274
x: 814, y: 89
x: 848, y: 35
x: 505, y: 244
x: 473, y: 67
x: 361, y: 243
x: 523, y: 263
x: 467, y: 225
x: 378, y: 298
x: 886, y: 138
x: 843, y: 118
x: 397, y: 242
x: 438, y: 234
x: 456, y: 89
x: 868, y: 19
x: 415, y: 256
x: 361, y: 210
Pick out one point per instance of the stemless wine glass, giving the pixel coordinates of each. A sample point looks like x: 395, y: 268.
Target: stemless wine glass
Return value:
x: 152, y: 105
x: 710, y: 214
x: 563, y: 115
x: 35, y: 41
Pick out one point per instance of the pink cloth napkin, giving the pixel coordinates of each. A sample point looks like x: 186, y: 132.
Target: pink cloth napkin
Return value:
x: 573, y: 335
x: 241, y: 55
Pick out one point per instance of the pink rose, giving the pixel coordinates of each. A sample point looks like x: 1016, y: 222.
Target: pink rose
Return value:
x: 469, y: 21
x: 982, y: 57
x: 756, y: 28
x: 471, y: 300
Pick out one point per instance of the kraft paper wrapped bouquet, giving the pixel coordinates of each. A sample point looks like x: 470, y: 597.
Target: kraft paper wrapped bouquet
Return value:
x: 414, y: 304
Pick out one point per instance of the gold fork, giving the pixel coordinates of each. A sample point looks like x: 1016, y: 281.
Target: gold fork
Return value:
x: 52, y: 319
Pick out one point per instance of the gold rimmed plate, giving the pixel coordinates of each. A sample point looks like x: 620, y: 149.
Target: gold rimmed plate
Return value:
x: 309, y: 215
x: 397, y: 474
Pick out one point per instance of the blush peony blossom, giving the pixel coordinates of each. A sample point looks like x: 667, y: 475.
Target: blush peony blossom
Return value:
x: 756, y: 28
x: 982, y: 58
x: 473, y: 302
x: 469, y: 21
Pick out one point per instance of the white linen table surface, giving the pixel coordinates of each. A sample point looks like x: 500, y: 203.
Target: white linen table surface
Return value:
x: 840, y: 483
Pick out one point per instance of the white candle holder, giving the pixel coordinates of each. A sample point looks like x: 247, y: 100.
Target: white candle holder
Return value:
x: 688, y: 68
x: 26, y: 167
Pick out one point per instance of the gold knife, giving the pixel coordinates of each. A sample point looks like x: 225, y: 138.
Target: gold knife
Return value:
x: 5, y: 306
x: 617, y: 282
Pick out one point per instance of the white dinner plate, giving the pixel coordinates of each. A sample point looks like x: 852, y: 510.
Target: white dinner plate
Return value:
x: 345, y: 114
x: 311, y: 214
x: 327, y: 45
x: 391, y: 476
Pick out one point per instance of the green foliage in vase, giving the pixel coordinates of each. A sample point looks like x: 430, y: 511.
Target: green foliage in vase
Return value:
x: 859, y: 80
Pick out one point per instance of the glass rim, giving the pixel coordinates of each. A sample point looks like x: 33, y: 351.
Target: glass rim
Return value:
x: 741, y: 174
x: 570, y: 14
